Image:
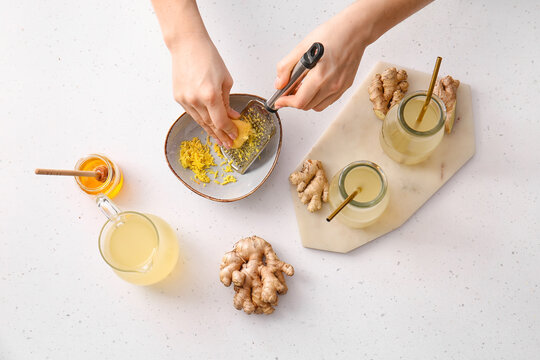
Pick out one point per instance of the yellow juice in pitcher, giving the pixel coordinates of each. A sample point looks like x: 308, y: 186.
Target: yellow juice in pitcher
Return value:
x: 141, y: 248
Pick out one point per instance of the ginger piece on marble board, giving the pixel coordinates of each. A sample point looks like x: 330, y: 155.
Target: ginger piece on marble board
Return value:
x: 387, y: 89
x: 256, y: 272
x: 446, y: 89
x: 311, y: 184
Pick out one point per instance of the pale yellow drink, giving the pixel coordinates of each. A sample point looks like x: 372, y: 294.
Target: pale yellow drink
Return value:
x: 371, y: 201
x: 403, y: 138
x: 141, y: 248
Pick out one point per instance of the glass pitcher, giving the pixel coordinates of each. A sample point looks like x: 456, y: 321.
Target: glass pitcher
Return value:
x: 140, y: 248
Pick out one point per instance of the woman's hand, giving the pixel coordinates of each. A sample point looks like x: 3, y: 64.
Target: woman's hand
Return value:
x: 345, y: 38
x: 201, y: 84
x: 344, y: 42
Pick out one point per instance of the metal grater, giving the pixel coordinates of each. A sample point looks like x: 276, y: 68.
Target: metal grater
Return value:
x: 259, y: 115
x: 263, y: 128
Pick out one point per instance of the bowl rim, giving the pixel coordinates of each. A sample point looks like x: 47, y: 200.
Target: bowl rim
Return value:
x: 243, y: 196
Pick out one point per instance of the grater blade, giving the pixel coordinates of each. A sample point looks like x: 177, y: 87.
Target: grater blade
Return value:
x: 263, y: 128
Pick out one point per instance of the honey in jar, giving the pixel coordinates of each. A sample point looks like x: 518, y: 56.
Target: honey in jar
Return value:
x: 110, y: 184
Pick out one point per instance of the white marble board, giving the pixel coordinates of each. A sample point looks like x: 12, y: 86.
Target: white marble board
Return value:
x: 354, y: 135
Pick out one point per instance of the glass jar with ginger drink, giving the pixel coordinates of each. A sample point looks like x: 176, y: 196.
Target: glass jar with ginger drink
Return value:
x: 140, y: 248
x: 403, y: 138
x: 372, y: 198
x: 109, y: 184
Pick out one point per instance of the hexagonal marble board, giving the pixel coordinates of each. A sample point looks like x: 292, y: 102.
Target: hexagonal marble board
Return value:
x: 354, y: 135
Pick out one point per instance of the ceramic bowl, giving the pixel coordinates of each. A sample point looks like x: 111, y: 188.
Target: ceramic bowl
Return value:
x: 185, y: 128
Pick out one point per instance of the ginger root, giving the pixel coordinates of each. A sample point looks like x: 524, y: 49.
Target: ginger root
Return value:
x: 387, y: 89
x: 257, y: 274
x: 244, y: 130
x: 446, y: 90
x: 312, y: 185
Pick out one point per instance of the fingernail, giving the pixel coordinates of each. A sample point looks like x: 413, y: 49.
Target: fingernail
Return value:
x: 233, y: 135
x: 277, y: 82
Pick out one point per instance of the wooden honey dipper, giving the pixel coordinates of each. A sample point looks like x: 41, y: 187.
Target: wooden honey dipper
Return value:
x: 100, y: 172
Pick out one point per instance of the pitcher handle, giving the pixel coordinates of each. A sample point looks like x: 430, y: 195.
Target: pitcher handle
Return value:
x: 107, y: 207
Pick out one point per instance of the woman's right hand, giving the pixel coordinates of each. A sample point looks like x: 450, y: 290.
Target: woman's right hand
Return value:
x: 201, y: 84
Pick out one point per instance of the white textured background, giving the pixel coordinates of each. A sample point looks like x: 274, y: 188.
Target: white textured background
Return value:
x: 460, y: 280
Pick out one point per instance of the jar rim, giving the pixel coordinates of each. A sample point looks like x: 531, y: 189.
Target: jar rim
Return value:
x: 110, y: 171
x: 373, y: 166
x: 148, y: 263
x: 434, y: 99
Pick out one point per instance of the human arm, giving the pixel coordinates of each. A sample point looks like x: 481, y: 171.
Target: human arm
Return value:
x: 201, y: 81
x: 345, y: 37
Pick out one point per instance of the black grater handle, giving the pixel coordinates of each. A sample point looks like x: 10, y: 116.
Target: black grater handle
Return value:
x: 313, y: 55
x: 306, y: 63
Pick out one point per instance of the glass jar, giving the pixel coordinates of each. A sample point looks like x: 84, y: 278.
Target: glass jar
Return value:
x: 370, y: 202
x: 140, y: 248
x: 110, y: 186
x: 407, y: 141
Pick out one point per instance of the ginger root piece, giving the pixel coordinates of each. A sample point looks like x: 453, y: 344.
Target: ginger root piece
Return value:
x: 312, y: 185
x: 244, y: 130
x: 387, y: 89
x: 446, y: 90
x: 256, y: 273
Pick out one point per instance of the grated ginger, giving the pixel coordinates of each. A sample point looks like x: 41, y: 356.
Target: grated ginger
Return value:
x: 217, y: 150
x: 197, y: 157
x: 228, y: 179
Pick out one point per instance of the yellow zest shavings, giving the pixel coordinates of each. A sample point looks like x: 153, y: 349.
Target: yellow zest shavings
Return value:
x: 228, y: 179
x: 217, y: 150
x: 196, y: 157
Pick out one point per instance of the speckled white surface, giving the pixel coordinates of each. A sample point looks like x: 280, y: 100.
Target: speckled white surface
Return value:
x: 459, y: 280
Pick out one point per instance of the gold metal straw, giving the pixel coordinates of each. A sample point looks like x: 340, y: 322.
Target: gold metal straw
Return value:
x: 430, y: 90
x: 344, y: 203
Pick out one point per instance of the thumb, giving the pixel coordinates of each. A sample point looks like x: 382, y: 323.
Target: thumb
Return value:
x: 286, y: 65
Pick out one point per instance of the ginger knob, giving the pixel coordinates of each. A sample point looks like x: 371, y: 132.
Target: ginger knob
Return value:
x: 312, y: 185
x: 446, y: 89
x: 244, y: 130
x: 256, y: 272
x: 387, y: 89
